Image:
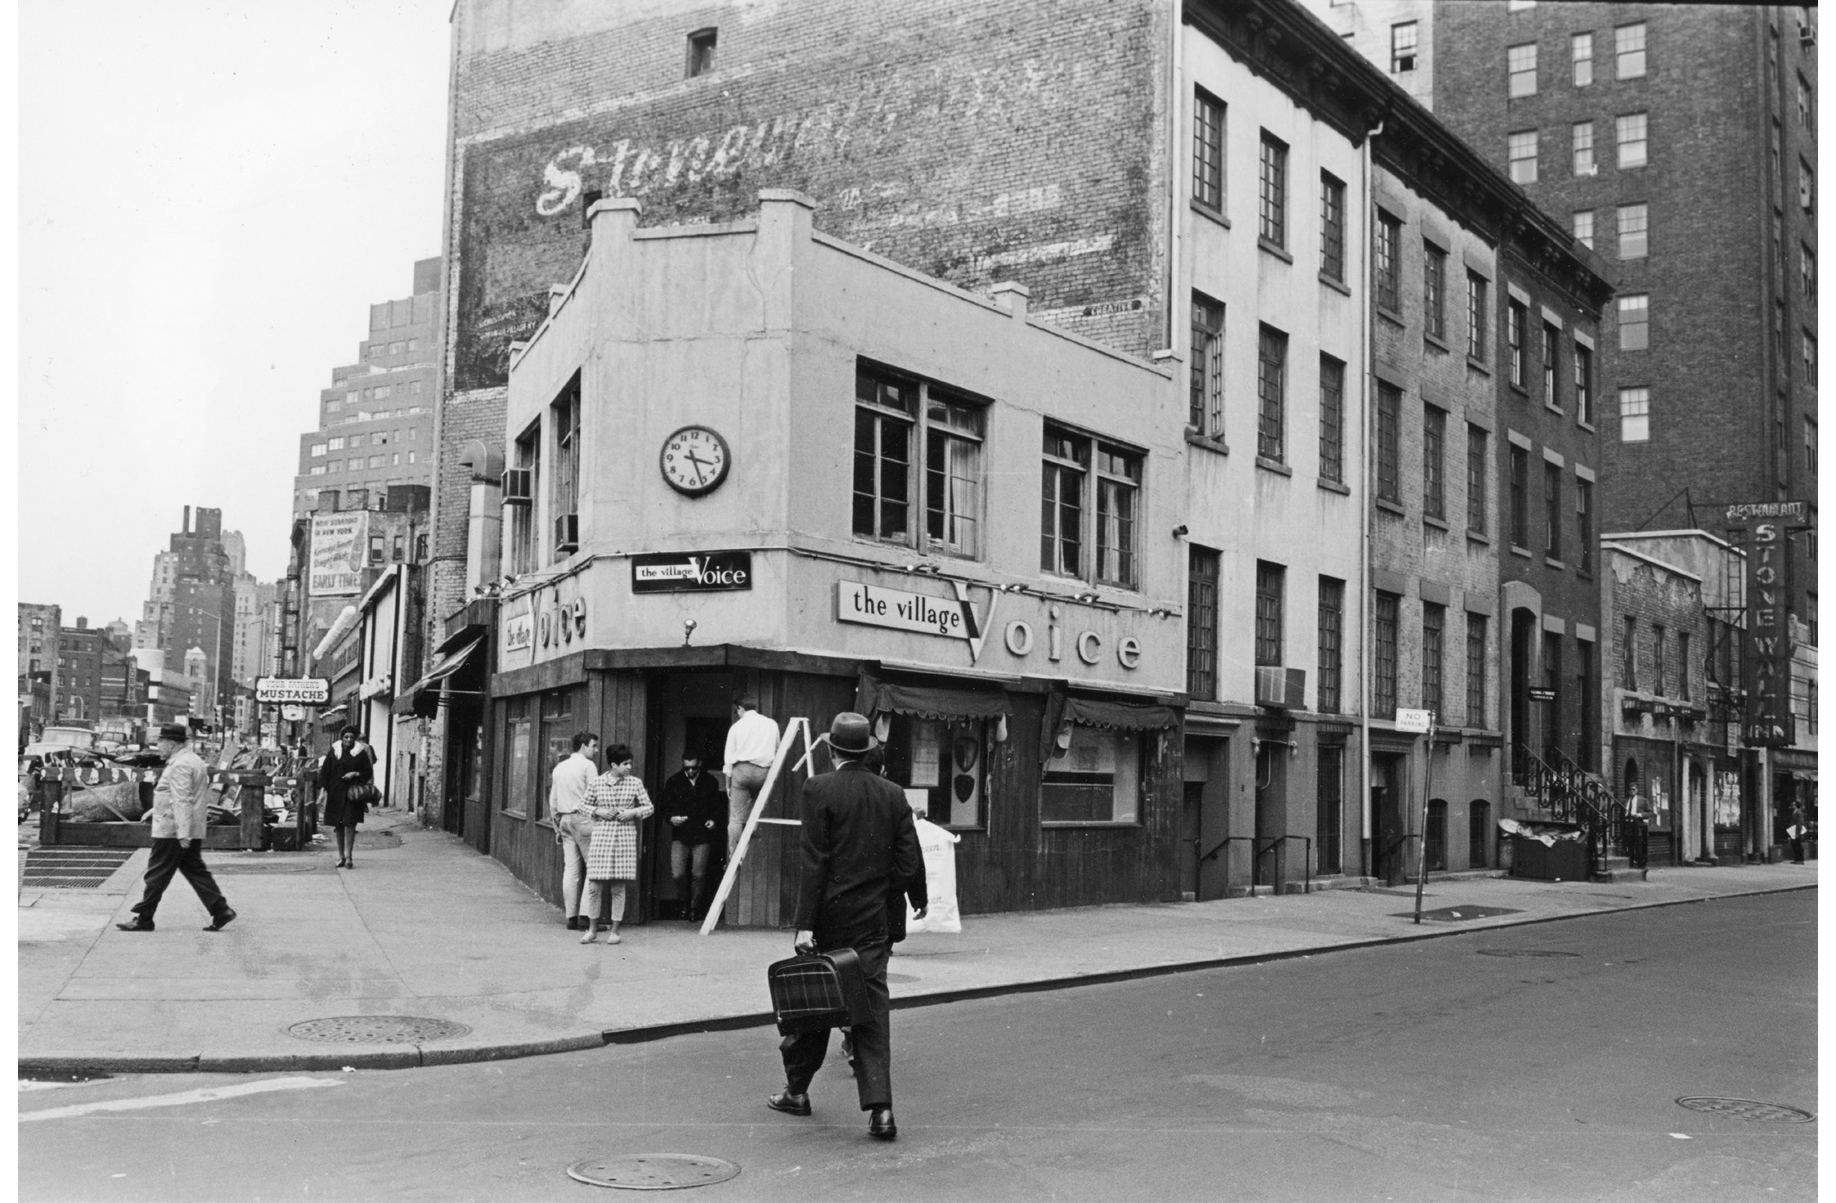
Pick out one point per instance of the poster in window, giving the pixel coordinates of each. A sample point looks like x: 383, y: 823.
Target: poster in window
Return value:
x: 924, y: 753
x: 517, y: 796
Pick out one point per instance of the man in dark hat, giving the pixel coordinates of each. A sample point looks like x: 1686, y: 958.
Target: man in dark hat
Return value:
x: 179, y: 814
x: 859, y: 851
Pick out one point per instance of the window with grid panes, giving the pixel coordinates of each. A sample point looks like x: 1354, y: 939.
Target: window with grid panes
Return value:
x: 1517, y: 323
x: 952, y: 472
x: 1584, y: 227
x: 1584, y: 524
x: 1587, y: 750
x: 1332, y: 227
x: 885, y: 413
x: 1332, y: 643
x: 1634, y: 415
x: 1434, y: 462
x: 1475, y: 315
x: 1208, y: 150
x: 1520, y: 68
x: 1629, y: 50
x: 1271, y: 392
x: 1810, y: 445
x: 1476, y: 459
x: 1520, y: 497
x: 1202, y: 623
x: 1270, y: 584
x: 1386, y: 615
x: 1434, y: 290
x: 1389, y: 466
x: 1806, y: 107
x: 1061, y: 524
x: 1332, y: 419
x: 1118, y: 495
x: 1628, y: 653
x: 1807, y: 187
x: 1631, y: 134
x: 1634, y: 226
x: 565, y: 417
x: 1552, y: 340
x: 1434, y: 622
x: 1582, y: 139
x: 1552, y: 681
x: 1584, y: 384
x: 1520, y: 154
x: 1660, y: 671
x: 1389, y: 262
x: 1475, y: 670
x: 1807, y: 344
x: 1552, y: 511
x: 1581, y: 53
x: 1273, y: 208
x: 1402, y: 47
x: 1683, y: 665
x: 1205, y: 408
x: 1807, y: 272
x: 1635, y: 322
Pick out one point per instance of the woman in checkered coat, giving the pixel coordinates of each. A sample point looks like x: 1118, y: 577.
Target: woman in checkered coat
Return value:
x: 618, y: 803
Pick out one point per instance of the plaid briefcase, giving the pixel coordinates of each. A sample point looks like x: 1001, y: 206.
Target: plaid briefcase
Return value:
x: 827, y: 990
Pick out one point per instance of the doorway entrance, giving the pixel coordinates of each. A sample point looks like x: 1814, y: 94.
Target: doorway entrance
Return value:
x: 1389, y: 834
x: 689, y: 714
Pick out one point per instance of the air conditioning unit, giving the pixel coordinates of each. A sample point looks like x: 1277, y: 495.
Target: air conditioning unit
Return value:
x: 1807, y: 37
x: 517, y: 486
x: 567, y: 533
x: 1281, y: 688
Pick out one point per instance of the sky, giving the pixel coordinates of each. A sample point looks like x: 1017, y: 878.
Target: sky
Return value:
x: 210, y: 197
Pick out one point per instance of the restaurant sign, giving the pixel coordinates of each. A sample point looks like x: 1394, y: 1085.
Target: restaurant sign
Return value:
x: 312, y: 691
x: 1768, y: 722
x: 692, y: 572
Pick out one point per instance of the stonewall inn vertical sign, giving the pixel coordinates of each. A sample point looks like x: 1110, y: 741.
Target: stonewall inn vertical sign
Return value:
x: 1768, y: 722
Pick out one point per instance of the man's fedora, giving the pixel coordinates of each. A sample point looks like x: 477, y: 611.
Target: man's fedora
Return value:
x: 851, y: 734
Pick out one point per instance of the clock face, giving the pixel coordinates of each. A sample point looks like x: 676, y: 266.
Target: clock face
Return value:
x: 695, y: 460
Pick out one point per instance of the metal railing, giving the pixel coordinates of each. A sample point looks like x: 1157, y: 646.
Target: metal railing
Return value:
x: 1571, y: 794
x: 1257, y: 848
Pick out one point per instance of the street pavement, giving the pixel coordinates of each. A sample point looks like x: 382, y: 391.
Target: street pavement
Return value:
x: 1541, y: 1063
x: 427, y: 929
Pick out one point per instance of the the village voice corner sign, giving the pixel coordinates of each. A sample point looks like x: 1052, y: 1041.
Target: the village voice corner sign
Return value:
x: 692, y: 572
x: 308, y: 691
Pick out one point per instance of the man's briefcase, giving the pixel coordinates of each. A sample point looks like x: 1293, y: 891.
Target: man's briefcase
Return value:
x: 827, y: 990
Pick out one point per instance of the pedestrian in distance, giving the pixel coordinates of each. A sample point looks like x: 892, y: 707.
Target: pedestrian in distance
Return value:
x: 1795, y: 832
x: 618, y: 803
x: 567, y: 793
x: 752, y: 744
x: 178, y: 818
x: 858, y: 851
x: 347, y: 775
x: 692, y: 811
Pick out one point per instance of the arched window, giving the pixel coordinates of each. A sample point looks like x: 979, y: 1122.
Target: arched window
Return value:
x: 1435, y: 839
x: 1478, y: 833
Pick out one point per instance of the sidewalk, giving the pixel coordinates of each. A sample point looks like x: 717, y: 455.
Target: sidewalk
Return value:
x: 426, y: 928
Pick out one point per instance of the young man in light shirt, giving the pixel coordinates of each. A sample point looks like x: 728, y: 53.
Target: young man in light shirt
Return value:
x: 752, y: 744
x: 573, y: 826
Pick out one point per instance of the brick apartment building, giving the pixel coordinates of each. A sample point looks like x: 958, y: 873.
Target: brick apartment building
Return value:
x: 38, y: 627
x: 376, y: 420
x: 80, y: 651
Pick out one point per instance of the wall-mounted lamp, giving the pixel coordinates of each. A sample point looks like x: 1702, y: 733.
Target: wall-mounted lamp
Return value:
x: 1086, y: 597
x: 1179, y: 532
x: 688, y: 628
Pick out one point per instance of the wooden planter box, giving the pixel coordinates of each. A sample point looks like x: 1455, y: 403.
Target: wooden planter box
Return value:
x: 54, y: 830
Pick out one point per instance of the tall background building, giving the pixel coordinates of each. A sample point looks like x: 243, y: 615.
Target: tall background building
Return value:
x: 376, y: 420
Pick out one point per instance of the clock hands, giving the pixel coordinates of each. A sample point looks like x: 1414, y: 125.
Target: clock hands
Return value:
x: 698, y: 462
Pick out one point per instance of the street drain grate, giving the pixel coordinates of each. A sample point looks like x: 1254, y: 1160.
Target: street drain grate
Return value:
x: 72, y: 868
x: 376, y: 1029
x: 652, y: 1171
x: 1765, y: 1113
x: 1459, y: 914
x: 1525, y: 952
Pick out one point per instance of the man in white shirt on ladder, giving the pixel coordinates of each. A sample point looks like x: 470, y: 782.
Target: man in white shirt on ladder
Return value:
x: 752, y: 744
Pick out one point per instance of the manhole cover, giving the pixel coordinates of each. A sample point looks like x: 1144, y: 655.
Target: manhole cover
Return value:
x: 1525, y: 952
x: 376, y: 1029
x: 652, y: 1171
x: 1765, y: 1113
x: 1459, y: 914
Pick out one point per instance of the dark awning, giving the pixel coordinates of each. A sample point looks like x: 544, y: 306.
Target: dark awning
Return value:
x: 873, y: 696
x: 423, y: 697
x: 1062, y: 711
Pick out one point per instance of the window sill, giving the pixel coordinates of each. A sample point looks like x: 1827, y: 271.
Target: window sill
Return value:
x: 1477, y: 365
x: 1334, y: 486
x: 1279, y: 252
x: 1587, y: 426
x: 1273, y: 465
x: 1335, y: 285
x: 1209, y: 213
x: 1586, y: 574
x: 1478, y: 536
x: 1520, y: 551
x: 1391, y: 507
x: 1437, y: 342
x: 1210, y: 442
x: 513, y: 814
x: 1392, y: 317
x: 1437, y: 523
x: 1552, y: 407
x: 1552, y: 562
x: 1521, y: 391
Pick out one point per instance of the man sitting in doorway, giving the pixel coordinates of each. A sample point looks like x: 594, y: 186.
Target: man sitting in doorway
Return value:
x: 692, y: 809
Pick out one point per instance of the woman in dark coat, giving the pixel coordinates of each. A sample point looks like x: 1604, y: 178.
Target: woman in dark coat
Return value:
x: 348, y: 764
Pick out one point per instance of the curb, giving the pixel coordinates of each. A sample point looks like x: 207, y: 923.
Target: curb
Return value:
x: 419, y: 1056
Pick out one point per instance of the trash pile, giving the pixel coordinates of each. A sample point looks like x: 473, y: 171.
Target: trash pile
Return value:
x: 1546, y: 834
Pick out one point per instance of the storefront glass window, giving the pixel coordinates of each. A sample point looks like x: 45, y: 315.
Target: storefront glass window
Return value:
x: 946, y: 759
x: 519, y: 739
x: 558, y: 727
x: 1097, y: 780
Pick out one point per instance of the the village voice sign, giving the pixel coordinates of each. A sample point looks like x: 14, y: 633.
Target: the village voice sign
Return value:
x: 873, y: 606
x: 692, y: 572
x: 281, y: 691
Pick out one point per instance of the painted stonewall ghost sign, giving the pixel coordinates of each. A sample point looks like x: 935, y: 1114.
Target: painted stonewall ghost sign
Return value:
x: 338, y: 545
x: 891, y: 150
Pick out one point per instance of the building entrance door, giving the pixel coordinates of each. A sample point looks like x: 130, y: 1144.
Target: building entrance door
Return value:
x: 1389, y: 834
x: 689, y: 712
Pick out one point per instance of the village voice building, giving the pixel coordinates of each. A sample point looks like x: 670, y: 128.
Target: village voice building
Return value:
x: 748, y: 458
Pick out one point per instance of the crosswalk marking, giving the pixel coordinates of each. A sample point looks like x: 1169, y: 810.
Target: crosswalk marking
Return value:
x: 206, y: 1095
